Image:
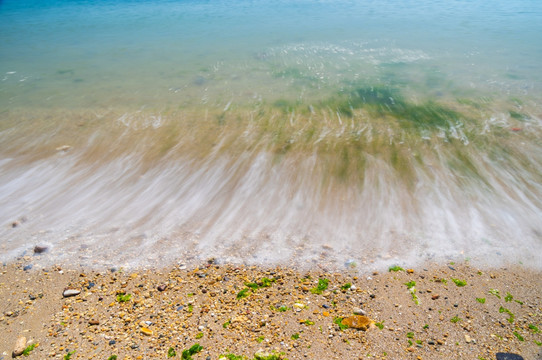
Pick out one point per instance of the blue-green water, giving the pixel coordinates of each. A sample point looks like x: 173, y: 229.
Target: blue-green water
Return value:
x: 231, y: 128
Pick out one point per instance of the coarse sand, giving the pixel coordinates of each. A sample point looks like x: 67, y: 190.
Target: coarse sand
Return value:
x: 437, y: 311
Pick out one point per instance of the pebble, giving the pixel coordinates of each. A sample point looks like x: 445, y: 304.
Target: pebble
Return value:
x: 161, y: 287
x: 359, y: 311
x: 94, y: 322
x: 435, y: 297
x: 467, y: 338
x: 27, y: 267
x: 358, y: 322
x: 20, y: 345
x: 38, y: 249
x: 112, y: 342
x: 71, y: 292
x: 508, y: 356
x: 146, y: 331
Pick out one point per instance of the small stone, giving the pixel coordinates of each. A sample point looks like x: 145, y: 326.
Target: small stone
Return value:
x: 508, y: 356
x: 411, y: 349
x: 38, y: 249
x: 71, y: 292
x: 161, y: 287
x: 431, y: 342
x: 410, y: 271
x: 146, y: 331
x: 359, y: 311
x: 20, y: 345
x: 358, y: 322
x: 325, y: 313
x: 94, y: 322
x: 27, y: 267
x: 467, y: 338
x: 435, y: 297
x: 440, y: 342
x: 112, y: 342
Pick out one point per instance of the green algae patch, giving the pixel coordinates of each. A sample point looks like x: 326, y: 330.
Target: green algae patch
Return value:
x: 194, y: 349
x: 321, y: 287
x: 395, y: 268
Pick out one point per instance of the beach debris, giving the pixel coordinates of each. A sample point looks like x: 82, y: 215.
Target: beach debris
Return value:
x: 70, y: 292
x: 27, y: 267
x: 161, y: 287
x: 63, y: 148
x: 359, y: 322
x: 20, y: 345
x: 39, y: 249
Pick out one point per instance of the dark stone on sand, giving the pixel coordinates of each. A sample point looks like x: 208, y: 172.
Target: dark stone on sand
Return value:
x: 38, y: 249
x: 90, y: 285
x: 112, y: 342
x: 27, y: 267
x: 161, y: 287
x: 508, y: 356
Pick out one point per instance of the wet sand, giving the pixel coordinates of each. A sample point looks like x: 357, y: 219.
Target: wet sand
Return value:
x: 483, y: 312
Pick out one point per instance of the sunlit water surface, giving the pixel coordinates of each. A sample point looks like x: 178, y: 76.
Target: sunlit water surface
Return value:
x: 326, y: 133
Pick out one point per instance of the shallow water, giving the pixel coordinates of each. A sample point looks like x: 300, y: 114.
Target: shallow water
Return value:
x: 304, y: 132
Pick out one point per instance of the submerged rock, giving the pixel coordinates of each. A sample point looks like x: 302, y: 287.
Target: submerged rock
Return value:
x: 38, y: 249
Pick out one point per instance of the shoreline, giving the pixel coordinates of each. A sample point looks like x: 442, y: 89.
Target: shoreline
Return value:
x: 178, y: 307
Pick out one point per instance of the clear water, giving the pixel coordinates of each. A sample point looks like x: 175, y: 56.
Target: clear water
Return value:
x: 210, y: 128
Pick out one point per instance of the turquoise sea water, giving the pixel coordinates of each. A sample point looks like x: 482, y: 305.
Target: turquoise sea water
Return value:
x: 258, y: 131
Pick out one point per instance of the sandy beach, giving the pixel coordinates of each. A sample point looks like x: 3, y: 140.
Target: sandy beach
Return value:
x: 438, y: 311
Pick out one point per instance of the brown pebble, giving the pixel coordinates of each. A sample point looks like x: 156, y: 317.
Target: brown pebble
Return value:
x: 161, y: 287
x: 410, y: 271
x: 411, y: 349
x: 358, y: 322
x: 94, y: 322
x: 435, y: 297
x: 38, y: 249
